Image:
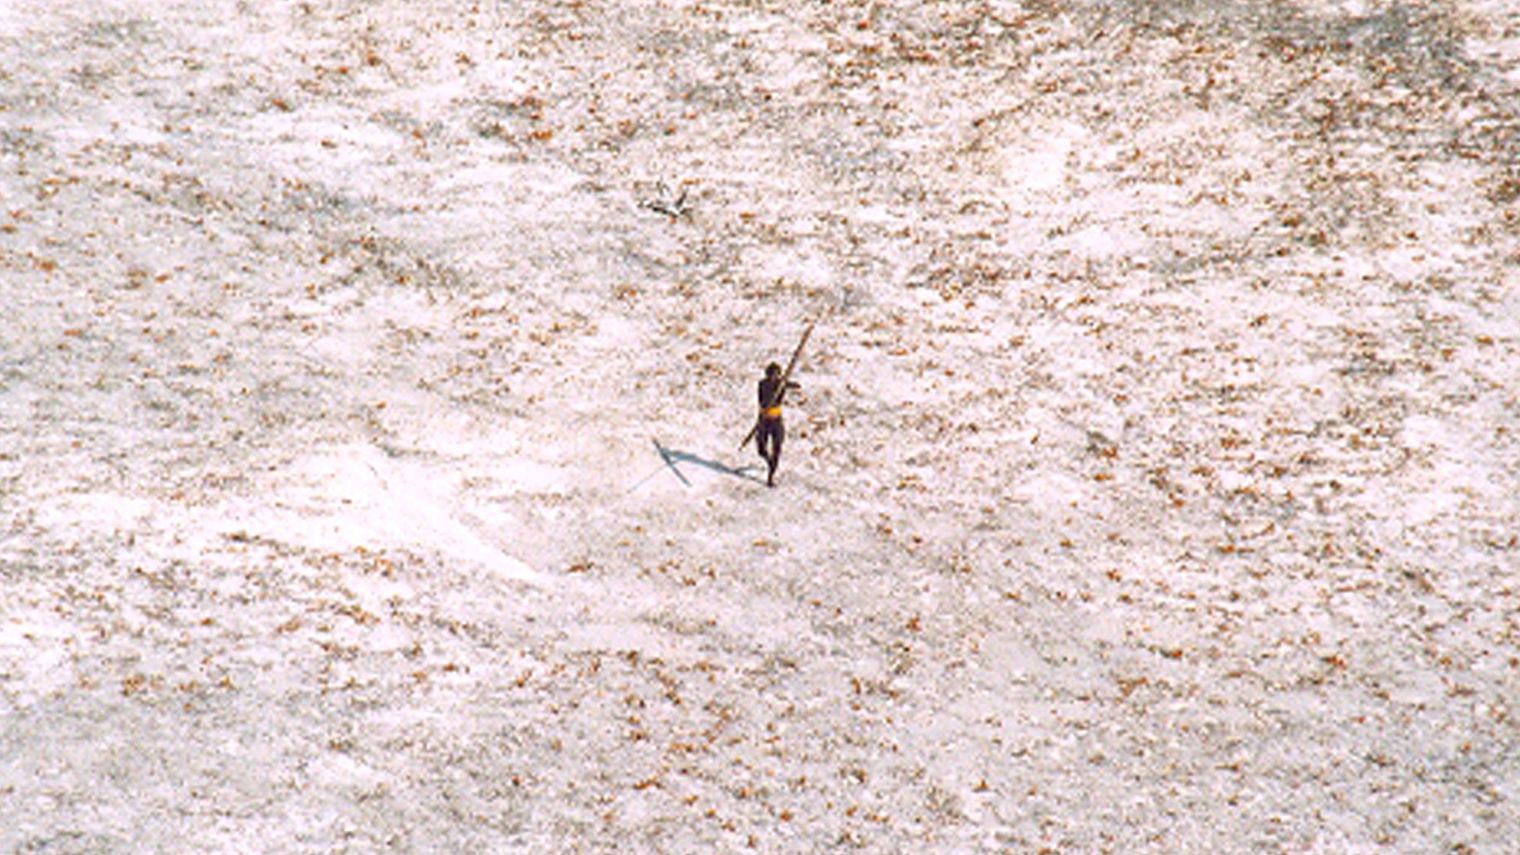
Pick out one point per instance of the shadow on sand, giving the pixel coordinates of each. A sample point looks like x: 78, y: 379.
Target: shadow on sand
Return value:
x: 674, y: 458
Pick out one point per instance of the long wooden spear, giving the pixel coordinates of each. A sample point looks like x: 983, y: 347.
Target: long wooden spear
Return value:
x: 780, y: 387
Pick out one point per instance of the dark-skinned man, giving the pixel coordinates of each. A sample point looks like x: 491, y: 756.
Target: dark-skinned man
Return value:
x: 771, y: 431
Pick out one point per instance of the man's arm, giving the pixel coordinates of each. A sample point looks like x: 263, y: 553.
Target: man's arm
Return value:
x: 781, y: 390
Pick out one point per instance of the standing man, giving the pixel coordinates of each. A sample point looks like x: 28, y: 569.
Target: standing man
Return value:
x: 771, y: 433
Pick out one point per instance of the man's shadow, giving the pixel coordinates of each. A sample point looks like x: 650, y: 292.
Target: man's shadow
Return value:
x: 673, y: 458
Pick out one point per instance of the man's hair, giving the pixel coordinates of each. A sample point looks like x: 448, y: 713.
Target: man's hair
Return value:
x: 772, y: 370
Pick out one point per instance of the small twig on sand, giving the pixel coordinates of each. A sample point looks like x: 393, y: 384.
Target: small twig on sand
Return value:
x: 662, y: 205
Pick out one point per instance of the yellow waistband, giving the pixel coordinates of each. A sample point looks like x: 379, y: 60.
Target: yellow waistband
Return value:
x: 771, y: 412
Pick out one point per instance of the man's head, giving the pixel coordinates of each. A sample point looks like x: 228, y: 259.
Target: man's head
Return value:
x: 773, y: 370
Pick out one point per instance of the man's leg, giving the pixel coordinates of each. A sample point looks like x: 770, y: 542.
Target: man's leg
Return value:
x: 778, y: 435
x: 765, y: 444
